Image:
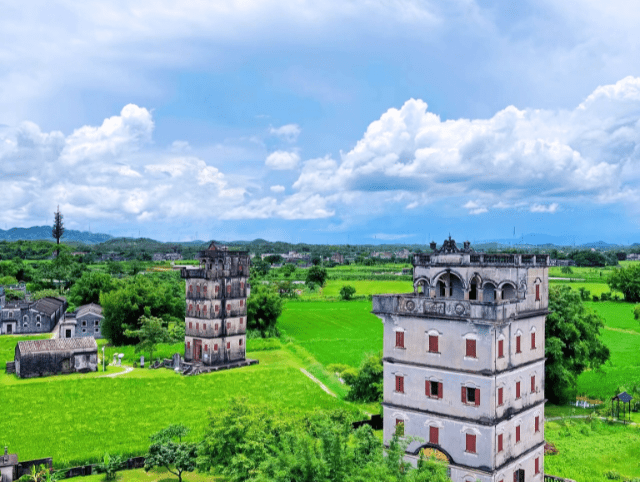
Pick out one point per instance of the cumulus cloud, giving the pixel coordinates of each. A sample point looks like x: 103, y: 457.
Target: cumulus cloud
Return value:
x: 289, y: 132
x: 282, y: 160
x: 517, y: 157
x: 277, y: 188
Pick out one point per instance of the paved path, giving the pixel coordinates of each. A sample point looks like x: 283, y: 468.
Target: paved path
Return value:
x: 315, y: 380
x: 126, y: 370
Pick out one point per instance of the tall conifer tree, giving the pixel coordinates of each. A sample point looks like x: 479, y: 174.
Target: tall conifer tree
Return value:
x: 58, y: 228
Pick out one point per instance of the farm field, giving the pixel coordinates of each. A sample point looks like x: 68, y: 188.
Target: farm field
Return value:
x: 595, y: 288
x: 76, y: 420
x: 333, y: 332
x: 589, y: 451
x: 8, y: 347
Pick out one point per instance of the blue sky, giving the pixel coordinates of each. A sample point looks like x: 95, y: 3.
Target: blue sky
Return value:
x: 327, y: 122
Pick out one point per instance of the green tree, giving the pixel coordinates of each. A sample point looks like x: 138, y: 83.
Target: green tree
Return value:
x: 288, y: 269
x: 367, y: 384
x: 317, y: 275
x: 273, y: 259
x: 259, y: 267
x: 636, y: 312
x: 176, y: 456
x: 264, y: 306
x: 572, y: 343
x: 88, y: 287
x: 163, y: 294
x: 58, y: 228
x: 566, y: 270
x: 347, y: 292
x: 627, y: 281
x: 150, y: 333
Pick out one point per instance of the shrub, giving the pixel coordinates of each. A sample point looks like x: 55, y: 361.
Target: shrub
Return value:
x: 612, y: 475
x: 347, y: 292
x: 595, y: 298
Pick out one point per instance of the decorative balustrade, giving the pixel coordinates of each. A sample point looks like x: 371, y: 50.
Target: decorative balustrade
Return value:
x: 497, y: 259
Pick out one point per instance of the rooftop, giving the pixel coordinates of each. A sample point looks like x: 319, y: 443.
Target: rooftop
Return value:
x: 57, y: 345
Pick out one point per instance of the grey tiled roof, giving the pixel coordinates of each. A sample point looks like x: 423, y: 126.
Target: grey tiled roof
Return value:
x: 8, y: 460
x: 90, y: 308
x: 58, y: 345
x: 48, y: 305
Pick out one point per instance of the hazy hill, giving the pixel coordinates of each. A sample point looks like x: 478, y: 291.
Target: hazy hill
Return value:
x: 35, y: 233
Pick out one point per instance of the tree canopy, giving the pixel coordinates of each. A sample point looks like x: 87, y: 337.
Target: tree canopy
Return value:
x: 627, y: 281
x: 264, y: 306
x: 176, y: 456
x: 347, y: 292
x: 572, y: 343
x: 317, y: 274
x: 150, y: 333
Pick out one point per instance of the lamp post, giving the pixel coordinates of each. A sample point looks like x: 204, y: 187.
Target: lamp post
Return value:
x: 102, y: 357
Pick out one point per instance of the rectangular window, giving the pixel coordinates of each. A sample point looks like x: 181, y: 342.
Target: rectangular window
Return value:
x: 537, y: 292
x: 433, y: 435
x: 537, y: 465
x: 399, y: 384
x: 433, y: 344
x: 433, y: 389
x: 500, y: 396
x: 228, y: 308
x: 206, y: 347
x: 399, y: 339
x: 471, y: 443
x: 190, y: 325
x: 500, y: 442
x: 537, y: 424
x: 518, y: 348
x: 471, y: 395
x: 217, y: 289
x: 533, y: 384
x: 241, y: 320
x: 217, y: 308
x: 471, y: 348
x: 517, y: 390
x: 518, y: 434
x: 241, y: 303
x: 215, y: 327
x: 228, y: 345
x: 240, y: 342
x: 533, y: 341
x: 188, y: 345
x: 197, y: 326
x: 228, y: 326
x: 500, y: 348
x: 228, y: 289
x: 399, y: 427
x: 215, y: 347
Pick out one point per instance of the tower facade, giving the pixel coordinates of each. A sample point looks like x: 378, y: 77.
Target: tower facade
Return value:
x: 464, y: 362
x: 216, y: 311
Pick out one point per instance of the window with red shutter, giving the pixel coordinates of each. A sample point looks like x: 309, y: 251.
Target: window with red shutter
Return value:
x: 190, y: 307
x: 241, y: 302
x: 228, y: 308
x: 399, y: 339
x: 463, y: 395
x: 198, y: 289
x: 190, y: 326
x: 205, y: 289
x: 228, y: 326
x: 537, y: 424
x: 471, y: 348
x: 533, y: 341
x: 399, y: 384
x: 500, y: 442
x: 433, y: 343
x: 533, y: 384
x: 518, y: 350
x: 206, y: 347
x: 518, y: 434
x: 242, y: 285
x: 217, y: 308
x: 228, y: 289
x: 191, y: 288
x: 500, y: 348
x: 433, y: 435
x: 215, y: 327
x: 204, y: 309
x: 188, y: 345
x: 477, y: 396
x: 241, y: 320
x: 500, y: 394
x: 217, y: 289
x: 517, y: 390
x: 439, y: 389
x: 204, y: 326
x: 537, y: 465
x: 537, y: 292
x: 228, y: 345
x: 215, y: 347
x: 197, y: 326
x: 471, y: 443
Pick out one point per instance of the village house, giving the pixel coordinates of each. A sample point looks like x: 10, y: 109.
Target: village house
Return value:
x: 41, y: 316
x: 216, y: 308
x: 463, y: 359
x: 39, y: 358
x: 84, y: 322
x: 337, y: 258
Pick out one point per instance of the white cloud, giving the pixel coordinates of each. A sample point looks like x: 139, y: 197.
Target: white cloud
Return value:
x: 289, y: 132
x: 541, y: 208
x: 509, y: 160
x: 391, y: 237
x: 282, y: 160
x: 277, y: 188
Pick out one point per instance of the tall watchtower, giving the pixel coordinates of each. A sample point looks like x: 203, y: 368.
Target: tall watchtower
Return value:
x: 464, y: 362
x: 216, y: 312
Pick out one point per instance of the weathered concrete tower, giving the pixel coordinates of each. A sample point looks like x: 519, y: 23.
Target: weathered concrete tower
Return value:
x: 464, y: 362
x: 216, y: 312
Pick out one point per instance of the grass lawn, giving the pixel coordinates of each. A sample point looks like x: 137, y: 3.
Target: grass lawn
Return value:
x: 76, y: 420
x: 333, y: 332
x: 588, y: 451
x: 8, y: 347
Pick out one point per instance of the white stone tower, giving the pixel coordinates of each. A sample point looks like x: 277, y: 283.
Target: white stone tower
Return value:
x: 464, y: 362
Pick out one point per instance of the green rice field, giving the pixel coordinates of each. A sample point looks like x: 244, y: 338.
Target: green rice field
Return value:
x: 589, y: 452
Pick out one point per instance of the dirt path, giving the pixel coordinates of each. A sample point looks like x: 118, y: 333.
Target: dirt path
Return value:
x: 320, y: 384
x: 620, y: 330
x: 126, y: 370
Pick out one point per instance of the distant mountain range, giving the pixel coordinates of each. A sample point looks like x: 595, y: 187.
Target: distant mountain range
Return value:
x: 71, y: 235
x: 44, y: 233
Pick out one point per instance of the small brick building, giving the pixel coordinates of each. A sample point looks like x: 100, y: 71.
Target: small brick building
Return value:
x: 86, y: 321
x: 38, y: 358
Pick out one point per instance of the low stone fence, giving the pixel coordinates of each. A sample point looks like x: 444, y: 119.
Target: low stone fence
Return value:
x: 11, y: 367
x: 25, y: 467
x: 83, y: 470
